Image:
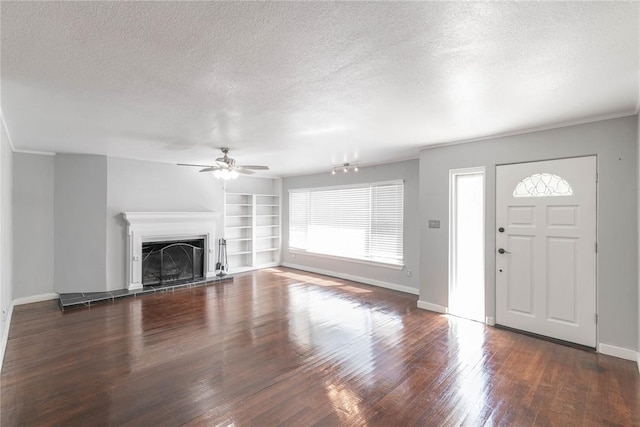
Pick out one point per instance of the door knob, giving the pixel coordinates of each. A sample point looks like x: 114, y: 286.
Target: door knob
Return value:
x: 502, y: 251
x: 501, y: 229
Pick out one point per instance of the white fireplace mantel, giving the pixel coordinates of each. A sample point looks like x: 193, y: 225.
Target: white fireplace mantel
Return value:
x: 154, y: 226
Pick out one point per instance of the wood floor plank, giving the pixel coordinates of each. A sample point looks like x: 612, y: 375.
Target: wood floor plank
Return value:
x: 285, y: 347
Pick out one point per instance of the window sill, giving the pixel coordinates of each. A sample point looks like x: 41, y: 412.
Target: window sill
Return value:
x: 347, y: 259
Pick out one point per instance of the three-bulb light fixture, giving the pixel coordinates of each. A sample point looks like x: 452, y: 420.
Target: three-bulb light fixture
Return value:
x: 225, y: 174
x: 346, y: 167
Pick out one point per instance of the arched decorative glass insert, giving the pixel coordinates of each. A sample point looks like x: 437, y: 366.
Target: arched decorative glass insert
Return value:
x: 543, y: 185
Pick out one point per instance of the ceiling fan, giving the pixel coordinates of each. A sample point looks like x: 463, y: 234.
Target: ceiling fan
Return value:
x: 226, y: 167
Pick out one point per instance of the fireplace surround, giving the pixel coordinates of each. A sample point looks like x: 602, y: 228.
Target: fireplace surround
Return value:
x: 145, y: 227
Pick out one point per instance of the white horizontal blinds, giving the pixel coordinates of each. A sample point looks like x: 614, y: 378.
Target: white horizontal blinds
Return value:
x: 386, y: 241
x: 298, y: 219
x: 364, y: 222
x: 339, y: 221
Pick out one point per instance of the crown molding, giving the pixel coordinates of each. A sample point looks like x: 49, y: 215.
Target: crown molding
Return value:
x: 532, y: 130
x: 6, y: 130
x: 40, y: 153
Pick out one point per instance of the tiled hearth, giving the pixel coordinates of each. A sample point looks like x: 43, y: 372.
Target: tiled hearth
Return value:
x: 85, y: 299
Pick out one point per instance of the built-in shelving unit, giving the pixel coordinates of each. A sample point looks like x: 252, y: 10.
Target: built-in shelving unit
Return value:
x: 252, y: 230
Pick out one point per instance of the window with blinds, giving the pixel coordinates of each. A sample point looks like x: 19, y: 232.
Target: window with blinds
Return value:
x: 362, y: 222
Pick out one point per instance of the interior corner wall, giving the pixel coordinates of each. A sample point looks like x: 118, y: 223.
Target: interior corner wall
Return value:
x: 615, y: 144
x: 80, y: 223
x: 33, y: 217
x: 406, y: 170
x: 144, y: 186
x: 6, y: 230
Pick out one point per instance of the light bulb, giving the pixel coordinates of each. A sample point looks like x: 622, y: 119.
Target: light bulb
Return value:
x: 355, y: 169
x: 333, y: 172
x: 225, y: 174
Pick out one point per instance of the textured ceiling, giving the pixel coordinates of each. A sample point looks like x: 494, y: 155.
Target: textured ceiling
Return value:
x: 303, y: 86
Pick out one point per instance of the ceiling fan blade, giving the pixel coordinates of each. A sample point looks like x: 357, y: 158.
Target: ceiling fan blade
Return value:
x: 243, y: 170
x: 255, y: 167
x: 190, y: 164
x: 227, y: 163
x: 210, y: 169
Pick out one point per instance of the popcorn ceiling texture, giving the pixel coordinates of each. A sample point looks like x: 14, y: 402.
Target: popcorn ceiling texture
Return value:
x: 302, y: 86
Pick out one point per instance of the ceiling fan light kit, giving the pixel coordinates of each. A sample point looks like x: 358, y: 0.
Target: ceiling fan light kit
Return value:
x: 226, y: 167
x: 225, y: 174
x: 345, y: 167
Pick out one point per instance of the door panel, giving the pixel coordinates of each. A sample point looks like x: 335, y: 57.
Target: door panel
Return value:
x: 546, y: 277
x: 521, y: 295
x: 562, y: 217
x: 561, y: 285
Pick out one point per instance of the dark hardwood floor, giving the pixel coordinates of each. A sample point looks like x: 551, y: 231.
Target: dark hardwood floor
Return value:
x: 283, y: 347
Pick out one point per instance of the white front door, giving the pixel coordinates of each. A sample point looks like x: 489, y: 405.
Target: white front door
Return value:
x: 546, y: 248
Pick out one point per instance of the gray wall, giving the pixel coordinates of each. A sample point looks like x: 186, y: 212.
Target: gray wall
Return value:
x: 142, y: 186
x: 407, y: 170
x: 33, y: 249
x: 6, y: 226
x: 251, y: 185
x: 71, y: 205
x: 80, y: 223
x: 615, y: 144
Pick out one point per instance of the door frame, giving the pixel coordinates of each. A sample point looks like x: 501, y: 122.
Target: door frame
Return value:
x: 597, y: 232
x: 452, y: 196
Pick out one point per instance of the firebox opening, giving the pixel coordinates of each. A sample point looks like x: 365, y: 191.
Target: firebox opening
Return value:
x: 172, y: 262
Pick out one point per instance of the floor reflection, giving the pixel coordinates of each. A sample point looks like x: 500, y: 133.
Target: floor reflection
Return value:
x: 346, y: 404
x: 272, y: 349
x: 470, y: 368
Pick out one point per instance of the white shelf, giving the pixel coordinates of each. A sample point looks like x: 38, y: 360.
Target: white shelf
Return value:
x: 246, y: 214
x: 268, y: 250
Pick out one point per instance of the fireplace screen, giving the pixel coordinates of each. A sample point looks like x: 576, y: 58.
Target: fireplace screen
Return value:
x: 166, y: 263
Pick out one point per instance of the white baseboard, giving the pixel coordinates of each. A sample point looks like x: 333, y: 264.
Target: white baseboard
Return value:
x: 638, y: 361
x: 622, y: 353
x: 35, y: 298
x: 433, y: 307
x: 19, y: 301
x: 491, y: 321
x: 5, y: 335
x: 246, y: 269
x: 364, y: 280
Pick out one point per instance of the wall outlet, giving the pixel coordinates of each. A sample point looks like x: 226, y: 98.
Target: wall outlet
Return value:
x: 434, y: 223
x: 4, y: 315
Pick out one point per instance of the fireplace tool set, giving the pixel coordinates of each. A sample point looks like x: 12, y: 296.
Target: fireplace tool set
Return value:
x: 222, y: 266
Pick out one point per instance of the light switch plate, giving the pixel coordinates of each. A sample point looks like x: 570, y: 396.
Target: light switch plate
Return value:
x: 434, y: 223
